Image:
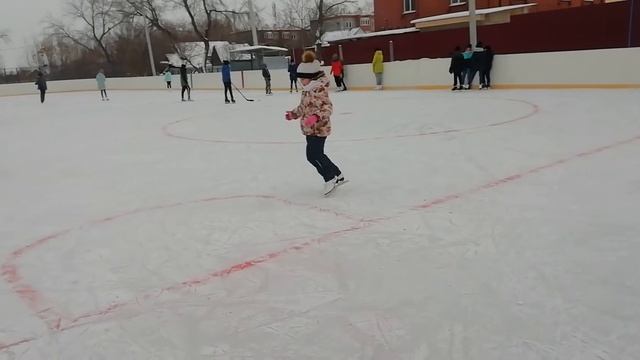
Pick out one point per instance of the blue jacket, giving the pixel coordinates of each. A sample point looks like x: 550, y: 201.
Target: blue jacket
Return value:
x: 226, y: 73
x: 102, y: 81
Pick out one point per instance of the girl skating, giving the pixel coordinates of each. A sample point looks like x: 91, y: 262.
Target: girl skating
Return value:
x: 314, y: 112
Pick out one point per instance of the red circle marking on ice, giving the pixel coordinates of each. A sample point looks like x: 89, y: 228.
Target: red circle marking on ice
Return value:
x: 534, y: 109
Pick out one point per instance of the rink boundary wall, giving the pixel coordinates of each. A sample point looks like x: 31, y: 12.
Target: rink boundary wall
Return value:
x: 588, y: 69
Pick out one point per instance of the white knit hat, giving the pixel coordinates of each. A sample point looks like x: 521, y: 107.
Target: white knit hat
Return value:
x: 309, y: 70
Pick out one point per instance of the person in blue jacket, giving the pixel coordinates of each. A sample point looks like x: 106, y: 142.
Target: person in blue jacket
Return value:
x: 466, y: 56
x: 226, y: 80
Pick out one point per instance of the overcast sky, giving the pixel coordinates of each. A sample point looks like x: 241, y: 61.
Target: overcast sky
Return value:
x: 24, y: 21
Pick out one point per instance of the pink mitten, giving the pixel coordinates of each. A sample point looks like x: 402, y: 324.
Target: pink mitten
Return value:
x: 290, y: 115
x: 311, y: 120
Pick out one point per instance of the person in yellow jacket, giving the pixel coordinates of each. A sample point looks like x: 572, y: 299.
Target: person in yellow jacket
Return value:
x: 378, y: 67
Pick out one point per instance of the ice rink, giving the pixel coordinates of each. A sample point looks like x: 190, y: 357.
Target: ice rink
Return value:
x: 498, y: 225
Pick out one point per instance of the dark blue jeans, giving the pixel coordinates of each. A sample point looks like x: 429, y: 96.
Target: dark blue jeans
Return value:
x: 471, y: 74
x: 317, y: 158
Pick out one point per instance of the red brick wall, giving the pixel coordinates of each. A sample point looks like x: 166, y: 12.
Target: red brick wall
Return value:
x: 579, y: 28
x: 389, y: 13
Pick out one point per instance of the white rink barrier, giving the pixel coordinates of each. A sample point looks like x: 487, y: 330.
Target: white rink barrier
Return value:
x: 608, y: 68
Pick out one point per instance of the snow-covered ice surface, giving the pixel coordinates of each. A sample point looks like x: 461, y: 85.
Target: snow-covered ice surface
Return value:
x: 477, y: 225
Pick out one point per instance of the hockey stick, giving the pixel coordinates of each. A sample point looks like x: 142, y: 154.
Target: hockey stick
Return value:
x: 241, y: 94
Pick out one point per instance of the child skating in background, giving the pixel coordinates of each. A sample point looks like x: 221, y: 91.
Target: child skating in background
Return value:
x: 226, y: 81
x: 41, y: 83
x: 167, y: 78
x: 101, y: 79
x: 184, y: 80
x: 314, y: 112
x: 337, y: 70
x: 267, y: 79
x: 293, y: 77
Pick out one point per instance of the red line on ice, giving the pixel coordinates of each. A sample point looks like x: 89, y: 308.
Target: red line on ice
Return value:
x: 4, y: 346
x: 534, y: 110
x: 54, y: 319
x: 32, y: 298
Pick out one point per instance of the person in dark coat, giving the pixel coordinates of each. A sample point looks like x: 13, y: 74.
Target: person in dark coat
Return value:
x: 41, y: 82
x: 457, y: 68
x: 267, y: 79
x: 184, y: 81
x: 293, y: 76
x: 226, y: 80
x: 485, y: 69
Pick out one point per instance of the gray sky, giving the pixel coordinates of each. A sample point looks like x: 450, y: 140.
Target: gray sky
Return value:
x: 24, y: 19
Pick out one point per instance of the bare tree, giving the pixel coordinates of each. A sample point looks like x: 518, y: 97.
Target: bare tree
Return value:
x: 152, y: 11
x: 207, y: 15
x: 244, y: 22
x: 93, y: 21
x: 299, y: 14
x: 324, y: 9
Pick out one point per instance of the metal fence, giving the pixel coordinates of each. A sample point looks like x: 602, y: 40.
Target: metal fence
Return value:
x: 17, y: 75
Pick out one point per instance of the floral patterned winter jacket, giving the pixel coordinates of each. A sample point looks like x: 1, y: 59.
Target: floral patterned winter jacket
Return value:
x: 315, y: 101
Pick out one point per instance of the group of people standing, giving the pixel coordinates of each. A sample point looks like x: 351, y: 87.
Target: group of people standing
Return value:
x: 465, y: 65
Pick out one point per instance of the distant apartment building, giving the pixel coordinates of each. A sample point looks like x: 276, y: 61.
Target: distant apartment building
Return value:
x: 346, y: 22
x: 286, y: 38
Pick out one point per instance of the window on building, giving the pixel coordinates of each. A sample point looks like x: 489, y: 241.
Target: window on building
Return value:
x: 286, y: 35
x: 365, y: 21
x: 410, y: 5
x: 348, y: 25
x: 294, y: 36
x: 458, y: 2
x: 268, y: 35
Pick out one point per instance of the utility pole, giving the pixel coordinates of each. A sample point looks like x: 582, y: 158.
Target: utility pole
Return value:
x: 252, y: 20
x: 473, y: 24
x: 146, y: 34
x: 631, y: 18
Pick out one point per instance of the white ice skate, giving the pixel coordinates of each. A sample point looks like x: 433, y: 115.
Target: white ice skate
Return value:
x: 340, y: 180
x: 330, y: 186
